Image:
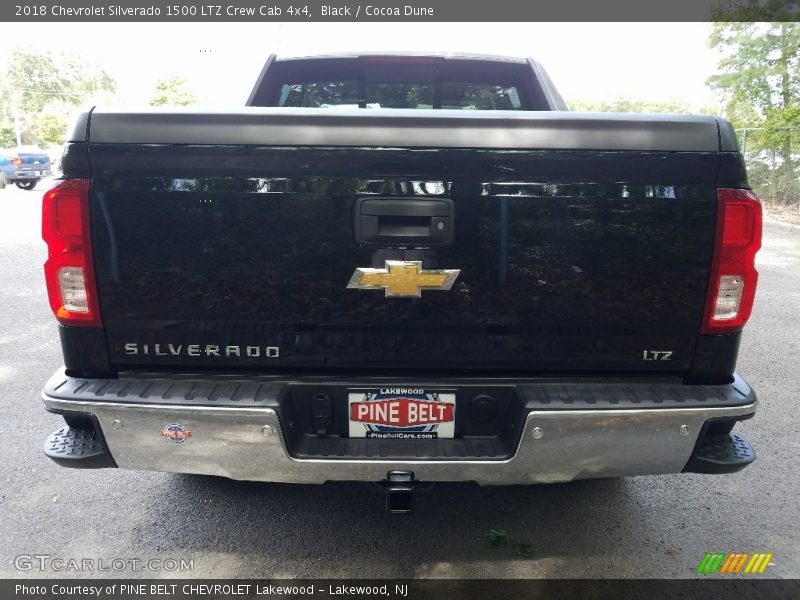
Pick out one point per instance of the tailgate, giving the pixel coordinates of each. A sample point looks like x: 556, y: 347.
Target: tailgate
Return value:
x: 34, y: 162
x: 570, y: 243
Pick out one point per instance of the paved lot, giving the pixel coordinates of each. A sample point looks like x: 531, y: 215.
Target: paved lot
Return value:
x: 637, y: 527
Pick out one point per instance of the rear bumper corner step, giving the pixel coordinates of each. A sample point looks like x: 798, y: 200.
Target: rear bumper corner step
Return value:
x: 78, y: 449
x: 720, y: 454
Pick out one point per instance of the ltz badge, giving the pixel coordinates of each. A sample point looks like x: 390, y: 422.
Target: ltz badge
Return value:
x: 403, y: 279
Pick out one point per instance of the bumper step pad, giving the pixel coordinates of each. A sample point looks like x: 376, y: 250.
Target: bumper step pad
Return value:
x: 726, y: 453
x: 78, y: 449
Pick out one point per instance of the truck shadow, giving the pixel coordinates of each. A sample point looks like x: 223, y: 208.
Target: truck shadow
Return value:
x: 342, y: 529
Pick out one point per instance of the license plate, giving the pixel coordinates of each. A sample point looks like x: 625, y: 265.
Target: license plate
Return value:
x: 402, y: 413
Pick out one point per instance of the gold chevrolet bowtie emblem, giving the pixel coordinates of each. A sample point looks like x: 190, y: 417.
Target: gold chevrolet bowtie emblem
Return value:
x: 403, y: 279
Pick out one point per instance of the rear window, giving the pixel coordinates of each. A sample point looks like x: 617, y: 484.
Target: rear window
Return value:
x: 391, y: 83
x: 320, y: 94
x: 451, y: 95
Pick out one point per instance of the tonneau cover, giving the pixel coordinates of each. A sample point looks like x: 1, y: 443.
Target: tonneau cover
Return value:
x: 409, y: 129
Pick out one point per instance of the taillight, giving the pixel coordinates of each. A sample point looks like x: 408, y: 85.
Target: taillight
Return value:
x: 16, y: 162
x: 69, y: 271
x: 732, y: 285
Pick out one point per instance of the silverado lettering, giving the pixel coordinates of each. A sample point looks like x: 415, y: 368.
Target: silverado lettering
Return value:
x: 134, y: 349
x: 563, y: 293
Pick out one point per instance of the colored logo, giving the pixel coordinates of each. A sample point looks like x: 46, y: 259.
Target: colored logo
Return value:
x: 403, y: 279
x: 735, y: 563
x: 402, y: 413
x: 176, y: 433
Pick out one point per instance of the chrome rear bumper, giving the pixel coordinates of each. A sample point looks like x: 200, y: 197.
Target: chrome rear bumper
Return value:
x: 247, y: 443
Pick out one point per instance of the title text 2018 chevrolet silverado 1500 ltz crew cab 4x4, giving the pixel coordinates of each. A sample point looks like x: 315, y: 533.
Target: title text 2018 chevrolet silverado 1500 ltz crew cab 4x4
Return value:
x: 398, y: 269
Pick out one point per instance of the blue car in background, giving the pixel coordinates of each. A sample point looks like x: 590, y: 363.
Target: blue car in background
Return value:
x: 24, y: 166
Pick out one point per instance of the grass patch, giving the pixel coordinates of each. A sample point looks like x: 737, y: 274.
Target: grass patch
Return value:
x: 524, y: 550
x: 497, y: 538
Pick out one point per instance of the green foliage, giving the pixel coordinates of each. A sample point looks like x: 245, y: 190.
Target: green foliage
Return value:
x: 7, y: 137
x: 38, y: 82
x: 759, y: 81
x: 497, y: 538
x: 173, y: 91
x: 35, y: 78
x: 624, y: 104
x: 524, y: 550
x: 756, y: 10
x: 759, y: 65
x: 52, y: 130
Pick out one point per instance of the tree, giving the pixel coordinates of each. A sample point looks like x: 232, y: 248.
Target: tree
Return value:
x: 173, y: 91
x: 7, y: 137
x: 36, y: 79
x: 624, y: 104
x: 752, y: 11
x: 52, y: 130
x: 759, y: 79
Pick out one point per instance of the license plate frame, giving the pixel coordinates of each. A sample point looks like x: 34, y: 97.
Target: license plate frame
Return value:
x: 401, y: 412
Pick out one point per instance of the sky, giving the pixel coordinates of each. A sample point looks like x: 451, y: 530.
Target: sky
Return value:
x: 587, y: 61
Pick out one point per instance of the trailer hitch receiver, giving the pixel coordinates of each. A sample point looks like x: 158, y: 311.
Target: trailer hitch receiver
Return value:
x: 399, y: 491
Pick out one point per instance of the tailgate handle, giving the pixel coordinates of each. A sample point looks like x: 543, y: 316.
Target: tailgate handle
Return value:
x: 404, y: 222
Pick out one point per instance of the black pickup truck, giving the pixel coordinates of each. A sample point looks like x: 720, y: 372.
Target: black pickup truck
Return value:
x: 396, y: 269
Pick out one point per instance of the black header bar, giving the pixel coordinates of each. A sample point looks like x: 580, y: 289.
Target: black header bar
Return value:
x: 397, y: 10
